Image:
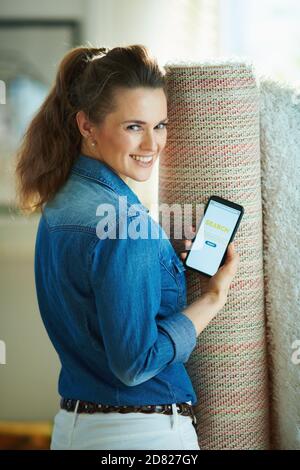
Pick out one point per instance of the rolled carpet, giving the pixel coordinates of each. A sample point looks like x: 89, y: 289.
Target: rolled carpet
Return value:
x: 213, y: 149
x: 280, y: 163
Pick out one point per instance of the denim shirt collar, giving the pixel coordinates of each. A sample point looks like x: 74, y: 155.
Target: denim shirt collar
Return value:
x: 103, y: 173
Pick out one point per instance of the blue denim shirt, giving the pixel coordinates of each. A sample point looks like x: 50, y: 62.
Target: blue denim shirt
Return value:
x: 112, y: 306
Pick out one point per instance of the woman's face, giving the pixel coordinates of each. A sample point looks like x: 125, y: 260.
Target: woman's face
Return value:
x: 120, y: 136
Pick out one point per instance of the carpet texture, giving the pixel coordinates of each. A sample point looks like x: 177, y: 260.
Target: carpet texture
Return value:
x: 213, y: 147
x: 280, y: 164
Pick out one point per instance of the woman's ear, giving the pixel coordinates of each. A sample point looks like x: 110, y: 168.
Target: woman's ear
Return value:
x: 83, y: 123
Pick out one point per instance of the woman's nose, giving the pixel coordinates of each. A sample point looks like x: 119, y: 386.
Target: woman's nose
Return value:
x: 149, y: 142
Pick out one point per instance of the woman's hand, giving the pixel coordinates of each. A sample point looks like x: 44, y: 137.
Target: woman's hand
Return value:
x: 219, y: 284
x: 183, y: 246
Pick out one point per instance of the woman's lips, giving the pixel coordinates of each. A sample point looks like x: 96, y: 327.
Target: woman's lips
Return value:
x: 143, y: 164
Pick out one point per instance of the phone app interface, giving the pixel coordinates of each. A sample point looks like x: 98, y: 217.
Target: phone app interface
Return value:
x: 212, y: 238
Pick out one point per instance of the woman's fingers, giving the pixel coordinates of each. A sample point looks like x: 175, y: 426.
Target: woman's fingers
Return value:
x: 187, y: 243
x: 183, y: 246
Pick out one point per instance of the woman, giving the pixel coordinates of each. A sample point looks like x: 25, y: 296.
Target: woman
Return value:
x: 113, y: 303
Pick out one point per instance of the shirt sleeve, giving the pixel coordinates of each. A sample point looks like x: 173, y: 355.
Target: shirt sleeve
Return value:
x: 126, y: 279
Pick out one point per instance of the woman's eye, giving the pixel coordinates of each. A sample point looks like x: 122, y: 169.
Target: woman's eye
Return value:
x: 133, y: 125
x: 164, y: 124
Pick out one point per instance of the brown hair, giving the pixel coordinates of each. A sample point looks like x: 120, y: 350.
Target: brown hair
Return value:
x: 86, y: 80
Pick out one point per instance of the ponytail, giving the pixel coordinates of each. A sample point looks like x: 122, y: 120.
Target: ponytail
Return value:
x: 52, y: 140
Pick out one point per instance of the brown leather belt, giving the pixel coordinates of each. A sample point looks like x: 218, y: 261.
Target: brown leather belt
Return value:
x: 184, y: 409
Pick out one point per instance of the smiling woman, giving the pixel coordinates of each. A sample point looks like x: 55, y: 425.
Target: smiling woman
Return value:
x: 124, y: 148
x: 97, y: 92
x: 112, y: 307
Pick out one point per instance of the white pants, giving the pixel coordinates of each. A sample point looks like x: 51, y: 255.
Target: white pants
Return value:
x: 116, y: 431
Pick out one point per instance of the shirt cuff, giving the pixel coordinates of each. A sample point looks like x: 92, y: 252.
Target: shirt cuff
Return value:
x: 182, y: 333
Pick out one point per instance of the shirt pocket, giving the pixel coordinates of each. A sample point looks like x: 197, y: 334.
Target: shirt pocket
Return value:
x: 174, y: 281
x: 179, y: 273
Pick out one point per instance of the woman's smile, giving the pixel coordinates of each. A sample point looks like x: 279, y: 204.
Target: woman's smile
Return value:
x: 144, y: 162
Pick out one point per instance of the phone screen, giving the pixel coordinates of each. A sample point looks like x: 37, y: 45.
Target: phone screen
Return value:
x: 217, y: 227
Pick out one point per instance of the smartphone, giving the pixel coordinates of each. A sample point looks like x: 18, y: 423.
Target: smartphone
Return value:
x: 217, y: 229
